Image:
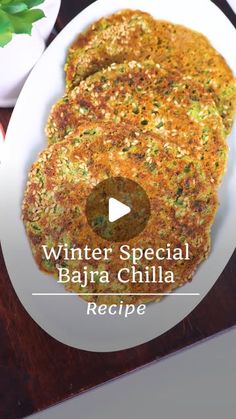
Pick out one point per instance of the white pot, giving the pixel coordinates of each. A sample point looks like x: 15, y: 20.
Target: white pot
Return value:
x: 16, y: 60
x: 51, y: 9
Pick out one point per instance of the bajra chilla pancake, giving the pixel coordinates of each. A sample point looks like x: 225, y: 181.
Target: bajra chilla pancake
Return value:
x: 135, y: 35
x: 181, y: 111
x: 183, y: 204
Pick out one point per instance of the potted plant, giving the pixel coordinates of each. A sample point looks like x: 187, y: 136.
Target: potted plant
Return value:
x: 19, y: 51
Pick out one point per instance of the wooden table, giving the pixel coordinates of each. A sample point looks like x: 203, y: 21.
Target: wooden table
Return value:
x: 36, y: 371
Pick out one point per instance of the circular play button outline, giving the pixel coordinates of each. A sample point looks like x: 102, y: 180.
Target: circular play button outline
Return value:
x: 118, y: 209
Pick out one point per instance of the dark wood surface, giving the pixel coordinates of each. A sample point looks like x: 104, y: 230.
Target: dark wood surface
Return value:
x: 36, y: 371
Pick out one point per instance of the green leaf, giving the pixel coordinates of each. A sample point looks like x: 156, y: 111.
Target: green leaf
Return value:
x: 15, y: 8
x: 5, y: 24
x: 33, y: 3
x: 20, y: 26
x: 31, y: 16
x: 5, y: 1
x: 5, y: 38
x: 15, y: 17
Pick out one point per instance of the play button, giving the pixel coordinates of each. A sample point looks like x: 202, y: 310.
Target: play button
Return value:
x: 118, y: 209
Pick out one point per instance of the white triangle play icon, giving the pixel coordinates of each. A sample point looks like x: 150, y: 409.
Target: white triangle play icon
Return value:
x: 117, y: 210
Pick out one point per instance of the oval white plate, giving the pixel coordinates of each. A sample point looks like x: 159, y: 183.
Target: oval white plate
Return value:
x: 64, y: 317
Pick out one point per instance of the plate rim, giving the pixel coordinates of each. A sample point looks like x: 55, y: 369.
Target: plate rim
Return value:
x: 100, y: 348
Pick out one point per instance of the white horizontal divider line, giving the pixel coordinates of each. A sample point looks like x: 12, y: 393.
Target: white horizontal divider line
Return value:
x: 40, y: 294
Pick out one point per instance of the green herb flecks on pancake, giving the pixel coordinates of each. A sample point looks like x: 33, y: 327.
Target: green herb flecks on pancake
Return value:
x: 135, y: 35
x: 183, y: 203
x: 153, y: 99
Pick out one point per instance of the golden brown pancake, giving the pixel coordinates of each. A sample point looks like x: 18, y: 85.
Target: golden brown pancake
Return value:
x: 135, y: 35
x: 181, y: 111
x: 183, y: 204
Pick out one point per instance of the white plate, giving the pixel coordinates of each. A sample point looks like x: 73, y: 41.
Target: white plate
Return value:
x: 64, y: 317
